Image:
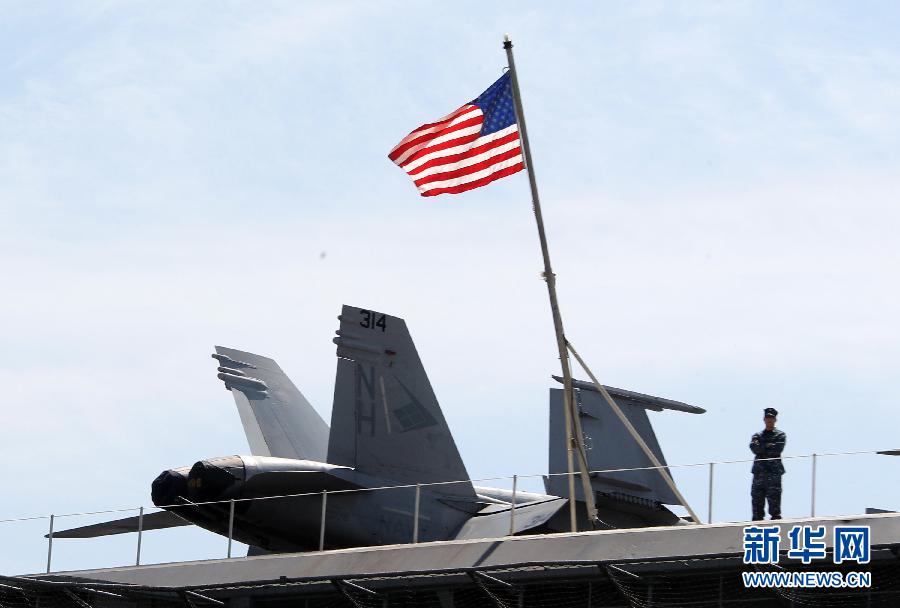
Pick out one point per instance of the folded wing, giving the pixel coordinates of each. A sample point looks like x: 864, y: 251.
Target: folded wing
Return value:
x: 277, y: 418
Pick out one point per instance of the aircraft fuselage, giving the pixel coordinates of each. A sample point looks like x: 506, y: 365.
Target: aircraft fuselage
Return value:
x: 278, y: 504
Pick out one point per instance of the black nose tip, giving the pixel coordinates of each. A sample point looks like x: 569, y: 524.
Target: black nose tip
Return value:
x: 168, y: 487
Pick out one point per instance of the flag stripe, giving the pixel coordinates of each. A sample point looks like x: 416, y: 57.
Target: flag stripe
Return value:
x: 456, y: 140
x: 462, y: 179
x: 468, y: 127
x: 468, y: 123
x: 425, y: 164
x: 500, y: 172
x: 472, y: 165
x: 435, y: 127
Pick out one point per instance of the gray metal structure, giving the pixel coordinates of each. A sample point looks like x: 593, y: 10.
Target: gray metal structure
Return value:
x: 628, y: 498
x: 674, y: 567
x: 387, y: 430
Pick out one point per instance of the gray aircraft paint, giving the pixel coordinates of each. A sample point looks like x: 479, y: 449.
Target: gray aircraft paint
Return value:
x: 387, y: 430
x: 149, y: 521
x: 385, y: 410
x: 609, y: 446
x: 277, y: 418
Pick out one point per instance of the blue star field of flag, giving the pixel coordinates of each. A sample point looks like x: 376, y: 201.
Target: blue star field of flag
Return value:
x: 496, y: 104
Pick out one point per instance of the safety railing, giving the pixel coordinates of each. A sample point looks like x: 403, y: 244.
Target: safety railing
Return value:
x: 850, y: 483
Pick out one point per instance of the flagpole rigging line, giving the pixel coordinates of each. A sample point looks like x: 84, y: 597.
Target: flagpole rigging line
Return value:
x: 574, y: 439
x: 634, y: 434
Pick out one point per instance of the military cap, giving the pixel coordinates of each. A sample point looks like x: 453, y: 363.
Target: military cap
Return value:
x: 770, y: 411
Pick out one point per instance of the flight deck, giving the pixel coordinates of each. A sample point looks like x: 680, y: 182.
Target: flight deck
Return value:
x: 696, y: 565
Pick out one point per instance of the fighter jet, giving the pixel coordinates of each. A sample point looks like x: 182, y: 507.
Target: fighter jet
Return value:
x: 388, y: 455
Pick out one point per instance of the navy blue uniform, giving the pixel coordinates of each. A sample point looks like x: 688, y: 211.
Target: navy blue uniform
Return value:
x: 767, y: 473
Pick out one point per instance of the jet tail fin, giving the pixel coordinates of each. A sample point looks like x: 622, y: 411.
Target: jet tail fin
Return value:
x: 277, y: 418
x: 386, y: 420
x: 610, y: 446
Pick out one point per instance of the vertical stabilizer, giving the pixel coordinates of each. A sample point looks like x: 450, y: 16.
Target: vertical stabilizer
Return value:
x: 386, y: 420
x: 610, y: 446
x: 277, y: 418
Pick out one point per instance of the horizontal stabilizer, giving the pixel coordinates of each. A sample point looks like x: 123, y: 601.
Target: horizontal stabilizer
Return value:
x: 494, y: 520
x: 277, y: 418
x: 620, y: 395
x: 506, y: 496
x: 152, y: 521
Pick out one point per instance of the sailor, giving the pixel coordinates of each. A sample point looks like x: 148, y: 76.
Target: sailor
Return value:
x: 767, y: 444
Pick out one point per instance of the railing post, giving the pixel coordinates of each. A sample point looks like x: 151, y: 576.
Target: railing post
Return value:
x: 137, y: 559
x: 416, y: 514
x: 512, y: 510
x: 322, y: 524
x: 50, y: 544
x: 709, y: 512
x: 230, y: 524
x: 812, y: 500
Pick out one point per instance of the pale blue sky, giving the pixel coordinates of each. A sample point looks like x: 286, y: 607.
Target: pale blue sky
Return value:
x: 719, y: 182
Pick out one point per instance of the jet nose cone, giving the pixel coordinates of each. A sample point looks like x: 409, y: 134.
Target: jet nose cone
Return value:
x: 169, y: 487
x: 211, y: 479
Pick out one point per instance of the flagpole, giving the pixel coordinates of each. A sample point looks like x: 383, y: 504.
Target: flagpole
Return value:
x: 573, y: 440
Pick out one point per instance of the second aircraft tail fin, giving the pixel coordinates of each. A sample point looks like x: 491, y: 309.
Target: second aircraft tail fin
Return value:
x: 609, y: 446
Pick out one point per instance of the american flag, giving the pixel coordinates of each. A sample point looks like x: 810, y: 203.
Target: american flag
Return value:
x: 466, y: 149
